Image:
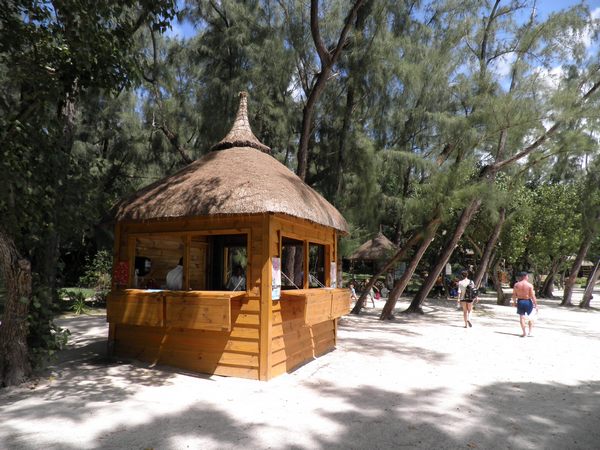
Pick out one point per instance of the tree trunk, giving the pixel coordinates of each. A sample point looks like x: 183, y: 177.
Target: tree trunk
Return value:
x: 547, y: 290
x: 500, y: 300
x: 489, y: 247
x: 16, y: 272
x: 328, y: 59
x: 464, y: 220
x: 399, y: 254
x: 343, y: 144
x: 570, y: 281
x: 592, y: 280
x: 396, y: 293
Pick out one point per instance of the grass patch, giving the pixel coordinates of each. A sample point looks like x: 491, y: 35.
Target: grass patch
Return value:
x: 86, y: 292
x: 80, y: 300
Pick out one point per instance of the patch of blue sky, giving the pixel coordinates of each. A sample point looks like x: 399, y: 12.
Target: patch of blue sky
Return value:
x: 502, y: 65
x: 181, y: 29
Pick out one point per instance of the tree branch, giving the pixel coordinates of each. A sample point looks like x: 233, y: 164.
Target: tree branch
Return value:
x: 315, y: 31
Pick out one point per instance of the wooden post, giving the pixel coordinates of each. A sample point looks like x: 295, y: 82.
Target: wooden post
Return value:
x: 187, y: 245
x: 131, y: 242
x: 266, y: 304
x: 116, y: 255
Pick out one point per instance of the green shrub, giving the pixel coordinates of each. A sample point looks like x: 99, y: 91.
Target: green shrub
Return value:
x: 74, y: 300
x: 45, y: 338
x: 97, y: 273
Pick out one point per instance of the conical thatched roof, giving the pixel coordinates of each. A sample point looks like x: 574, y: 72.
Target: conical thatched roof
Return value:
x: 374, y: 249
x: 241, y: 134
x: 239, y: 180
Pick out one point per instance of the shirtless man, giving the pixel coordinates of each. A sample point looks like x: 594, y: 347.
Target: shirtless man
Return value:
x: 524, y: 298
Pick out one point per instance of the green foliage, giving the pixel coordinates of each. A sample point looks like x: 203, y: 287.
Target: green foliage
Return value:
x: 77, y: 301
x: 97, y: 273
x: 96, y: 103
x: 45, y: 338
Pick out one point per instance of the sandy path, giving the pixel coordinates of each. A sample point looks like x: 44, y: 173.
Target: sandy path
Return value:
x: 417, y: 382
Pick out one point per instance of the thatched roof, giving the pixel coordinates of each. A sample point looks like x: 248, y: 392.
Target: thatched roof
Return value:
x: 238, y: 180
x: 241, y: 134
x: 374, y: 249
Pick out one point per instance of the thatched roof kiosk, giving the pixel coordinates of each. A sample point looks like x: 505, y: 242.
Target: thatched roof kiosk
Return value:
x: 246, y: 229
x: 374, y: 249
x: 371, y: 255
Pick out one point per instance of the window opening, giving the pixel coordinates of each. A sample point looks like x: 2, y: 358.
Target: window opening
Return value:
x: 292, y: 263
x: 217, y: 262
x: 316, y: 265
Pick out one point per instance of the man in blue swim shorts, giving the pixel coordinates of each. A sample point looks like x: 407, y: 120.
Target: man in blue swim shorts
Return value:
x: 524, y: 298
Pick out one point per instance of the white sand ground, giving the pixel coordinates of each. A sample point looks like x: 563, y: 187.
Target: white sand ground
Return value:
x: 420, y: 382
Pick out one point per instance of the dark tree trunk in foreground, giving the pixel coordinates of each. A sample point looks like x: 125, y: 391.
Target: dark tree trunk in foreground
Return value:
x: 16, y: 272
x: 592, y: 280
x: 547, y: 290
x: 464, y: 220
x: 489, y: 248
x: 396, y: 293
x: 570, y: 281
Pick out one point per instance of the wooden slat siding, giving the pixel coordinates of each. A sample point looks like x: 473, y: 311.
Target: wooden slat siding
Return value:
x: 317, y: 311
x: 291, y: 360
x: 198, y: 313
x: 197, y: 272
x: 179, y: 338
x: 302, y: 230
x: 296, y: 313
x: 140, y: 309
x: 204, y: 225
x: 232, y: 353
x: 164, y: 253
x: 178, y: 357
x: 341, y: 303
x: 294, y: 343
x: 246, y: 304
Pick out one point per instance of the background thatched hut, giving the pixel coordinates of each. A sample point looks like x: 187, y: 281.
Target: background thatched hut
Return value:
x: 371, y: 255
x: 236, y: 208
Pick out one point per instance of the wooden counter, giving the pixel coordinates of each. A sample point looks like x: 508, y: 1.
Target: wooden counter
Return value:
x: 198, y: 310
x: 321, y: 304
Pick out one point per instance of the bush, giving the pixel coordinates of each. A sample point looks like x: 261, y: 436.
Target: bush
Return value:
x: 76, y: 301
x: 45, y: 337
x: 97, y: 273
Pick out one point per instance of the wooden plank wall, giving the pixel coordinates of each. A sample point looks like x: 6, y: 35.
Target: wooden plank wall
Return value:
x: 293, y: 342
x: 230, y: 353
x: 198, y: 250
x: 164, y: 253
x: 234, y: 353
x: 280, y: 330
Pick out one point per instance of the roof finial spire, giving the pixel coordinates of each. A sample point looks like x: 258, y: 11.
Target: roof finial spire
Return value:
x: 241, y: 134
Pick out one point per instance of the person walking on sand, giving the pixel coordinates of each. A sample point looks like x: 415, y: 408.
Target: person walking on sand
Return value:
x: 466, y: 296
x: 523, y: 297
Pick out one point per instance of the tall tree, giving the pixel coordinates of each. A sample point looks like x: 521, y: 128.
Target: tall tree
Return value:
x: 589, y: 202
x: 530, y: 39
x: 52, y: 52
x: 327, y: 57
